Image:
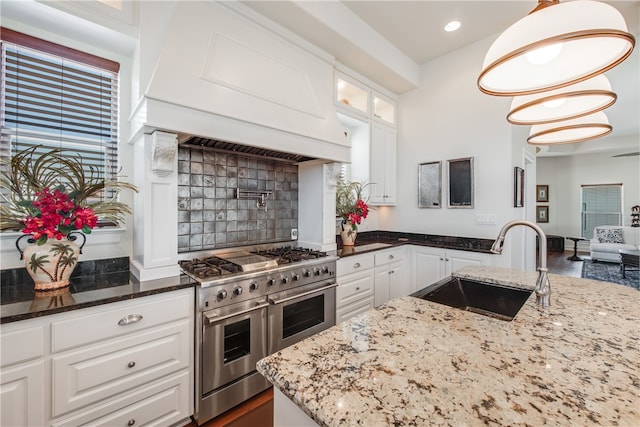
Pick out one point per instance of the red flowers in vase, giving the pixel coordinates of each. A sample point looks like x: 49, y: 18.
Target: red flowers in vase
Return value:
x: 54, y: 214
x: 350, y: 203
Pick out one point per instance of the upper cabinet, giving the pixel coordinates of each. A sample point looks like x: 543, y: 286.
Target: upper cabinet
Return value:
x: 352, y: 97
x: 384, y: 109
x: 359, y: 100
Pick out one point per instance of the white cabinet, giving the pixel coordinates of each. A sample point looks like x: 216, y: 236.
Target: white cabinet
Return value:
x: 22, y: 374
x: 391, y: 278
x: 432, y: 264
x: 383, y: 165
x: 115, y: 364
x: 355, y: 293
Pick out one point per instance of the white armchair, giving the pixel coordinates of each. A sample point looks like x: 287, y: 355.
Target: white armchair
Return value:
x: 608, y: 239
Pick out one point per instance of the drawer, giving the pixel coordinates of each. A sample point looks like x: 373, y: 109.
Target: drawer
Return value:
x: 20, y: 344
x: 109, y: 322
x: 355, y: 287
x: 162, y: 403
x: 352, y: 310
x: 353, y: 264
x: 100, y: 371
x: 389, y: 255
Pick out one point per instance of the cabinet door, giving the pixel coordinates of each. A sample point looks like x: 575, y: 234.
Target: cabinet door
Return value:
x: 428, y: 266
x: 456, y: 260
x: 383, y: 165
x: 399, y: 284
x: 381, y: 292
x: 354, y: 287
x: 22, y: 395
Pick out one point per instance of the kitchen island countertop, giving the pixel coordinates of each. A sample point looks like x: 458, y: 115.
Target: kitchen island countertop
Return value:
x: 413, y: 362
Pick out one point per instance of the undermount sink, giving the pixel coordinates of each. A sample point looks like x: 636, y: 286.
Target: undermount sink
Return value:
x: 489, y: 299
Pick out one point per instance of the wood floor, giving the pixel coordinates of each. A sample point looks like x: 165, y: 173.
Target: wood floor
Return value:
x: 258, y: 411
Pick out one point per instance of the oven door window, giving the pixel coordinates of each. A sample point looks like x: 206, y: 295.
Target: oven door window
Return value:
x: 302, y: 316
x: 237, y: 340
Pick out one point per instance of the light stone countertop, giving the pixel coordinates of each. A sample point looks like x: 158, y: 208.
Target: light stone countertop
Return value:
x: 414, y: 362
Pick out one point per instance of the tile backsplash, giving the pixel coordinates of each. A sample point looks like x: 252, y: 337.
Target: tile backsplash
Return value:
x: 210, y: 216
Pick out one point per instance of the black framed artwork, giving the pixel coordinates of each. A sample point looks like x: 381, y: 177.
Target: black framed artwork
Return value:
x: 542, y: 213
x: 542, y: 193
x: 518, y: 187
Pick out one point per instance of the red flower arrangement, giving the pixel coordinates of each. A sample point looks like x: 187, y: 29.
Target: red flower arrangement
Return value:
x: 350, y: 204
x: 54, y: 214
x: 360, y: 212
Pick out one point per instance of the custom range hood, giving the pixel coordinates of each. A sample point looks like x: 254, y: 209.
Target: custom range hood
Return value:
x: 224, y: 75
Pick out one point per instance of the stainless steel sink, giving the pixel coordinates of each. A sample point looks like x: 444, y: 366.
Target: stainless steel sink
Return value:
x: 489, y: 299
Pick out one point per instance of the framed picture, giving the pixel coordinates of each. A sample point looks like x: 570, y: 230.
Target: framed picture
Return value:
x: 518, y: 187
x: 542, y: 193
x: 430, y: 185
x: 460, y: 182
x: 542, y: 213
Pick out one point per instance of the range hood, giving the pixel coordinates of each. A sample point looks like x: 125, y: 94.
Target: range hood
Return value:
x: 223, y: 76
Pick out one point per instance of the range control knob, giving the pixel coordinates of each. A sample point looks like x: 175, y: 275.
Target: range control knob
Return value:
x: 221, y: 295
x: 285, y: 280
x: 316, y: 271
x: 271, y: 281
x: 237, y: 291
x: 325, y: 269
x: 296, y: 277
x: 253, y: 286
x: 306, y: 273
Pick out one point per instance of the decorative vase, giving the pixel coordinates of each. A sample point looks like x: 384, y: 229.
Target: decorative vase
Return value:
x: 50, y: 265
x: 348, y: 234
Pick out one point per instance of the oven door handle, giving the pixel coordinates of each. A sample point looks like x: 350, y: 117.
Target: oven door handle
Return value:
x: 213, y: 318
x: 303, y: 294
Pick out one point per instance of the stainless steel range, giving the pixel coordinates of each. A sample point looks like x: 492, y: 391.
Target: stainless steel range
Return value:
x: 252, y: 303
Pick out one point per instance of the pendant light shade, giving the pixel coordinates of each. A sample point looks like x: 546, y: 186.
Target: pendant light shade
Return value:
x: 565, y: 103
x: 569, y: 131
x: 556, y: 45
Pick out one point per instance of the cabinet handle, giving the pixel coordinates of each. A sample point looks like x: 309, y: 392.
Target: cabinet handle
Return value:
x: 131, y: 422
x: 358, y: 288
x: 356, y: 265
x: 446, y: 259
x: 392, y: 271
x: 441, y: 259
x: 130, y: 318
x: 390, y: 256
x: 131, y: 364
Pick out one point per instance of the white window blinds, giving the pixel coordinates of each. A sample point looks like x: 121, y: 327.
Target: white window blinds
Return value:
x: 601, y: 205
x: 53, y: 101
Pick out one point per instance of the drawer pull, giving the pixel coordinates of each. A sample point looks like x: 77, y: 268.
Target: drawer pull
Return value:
x: 356, y: 265
x: 390, y: 256
x: 358, y: 288
x: 130, y: 318
x: 131, y: 364
x: 131, y: 422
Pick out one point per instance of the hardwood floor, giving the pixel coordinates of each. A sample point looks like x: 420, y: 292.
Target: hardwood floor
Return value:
x: 558, y: 263
x: 255, y: 412
x: 258, y: 411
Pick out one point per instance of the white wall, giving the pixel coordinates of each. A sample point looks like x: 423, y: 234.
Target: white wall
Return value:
x: 448, y: 117
x: 565, y: 175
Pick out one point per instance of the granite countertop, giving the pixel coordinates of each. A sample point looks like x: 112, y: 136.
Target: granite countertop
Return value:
x: 20, y: 302
x: 369, y: 241
x: 414, y: 362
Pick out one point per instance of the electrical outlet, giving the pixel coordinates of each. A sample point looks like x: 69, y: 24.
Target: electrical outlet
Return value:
x: 294, y: 234
x: 486, y: 219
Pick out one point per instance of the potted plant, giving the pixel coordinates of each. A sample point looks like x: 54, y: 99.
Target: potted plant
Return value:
x: 352, y: 207
x: 49, y: 195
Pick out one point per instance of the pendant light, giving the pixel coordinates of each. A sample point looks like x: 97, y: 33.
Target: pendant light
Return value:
x: 569, y: 131
x: 556, y: 45
x: 565, y: 103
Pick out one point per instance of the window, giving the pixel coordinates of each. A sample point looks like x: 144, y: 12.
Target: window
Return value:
x: 601, y: 205
x: 58, y: 97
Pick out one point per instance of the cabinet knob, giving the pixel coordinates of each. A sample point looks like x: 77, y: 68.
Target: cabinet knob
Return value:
x: 356, y: 265
x: 358, y: 288
x: 131, y: 422
x: 446, y: 259
x: 441, y: 259
x: 392, y: 271
x: 131, y: 364
x: 390, y: 256
x: 129, y: 319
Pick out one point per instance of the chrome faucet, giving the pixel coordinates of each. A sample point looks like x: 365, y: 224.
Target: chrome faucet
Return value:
x: 543, y: 287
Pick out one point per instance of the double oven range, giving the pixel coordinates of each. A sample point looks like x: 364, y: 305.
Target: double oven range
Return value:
x: 250, y: 303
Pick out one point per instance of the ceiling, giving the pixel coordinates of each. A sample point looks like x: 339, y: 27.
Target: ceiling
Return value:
x: 388, y: 41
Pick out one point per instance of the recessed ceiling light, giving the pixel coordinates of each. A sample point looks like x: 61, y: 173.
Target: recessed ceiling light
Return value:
x: 452, y: 26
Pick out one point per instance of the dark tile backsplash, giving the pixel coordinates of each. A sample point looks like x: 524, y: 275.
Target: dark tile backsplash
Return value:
x: 210, y: 216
